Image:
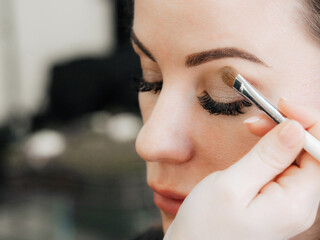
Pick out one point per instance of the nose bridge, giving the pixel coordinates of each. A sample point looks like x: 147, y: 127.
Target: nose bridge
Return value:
x: 172, y: 107
x: 166, y: 135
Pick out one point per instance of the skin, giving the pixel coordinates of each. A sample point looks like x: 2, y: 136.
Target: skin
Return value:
x: 263, y: 195
x: 180, y: 141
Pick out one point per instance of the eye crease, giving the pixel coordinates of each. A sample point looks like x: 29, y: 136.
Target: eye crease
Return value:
x: 212, y: 106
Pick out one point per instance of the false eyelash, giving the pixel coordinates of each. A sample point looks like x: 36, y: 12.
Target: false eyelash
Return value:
x: 142, y: 86
x: 217, y: 108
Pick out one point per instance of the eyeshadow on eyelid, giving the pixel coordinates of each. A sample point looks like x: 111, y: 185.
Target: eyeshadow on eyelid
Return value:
x: 256, y: 84
x: 224, y: 95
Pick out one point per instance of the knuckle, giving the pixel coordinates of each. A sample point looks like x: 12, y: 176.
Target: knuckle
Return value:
x: 268, y: 155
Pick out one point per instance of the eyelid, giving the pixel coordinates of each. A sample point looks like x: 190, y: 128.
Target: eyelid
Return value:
x: 151, y: 72
x: 151, y: 76
x: 224, y: 95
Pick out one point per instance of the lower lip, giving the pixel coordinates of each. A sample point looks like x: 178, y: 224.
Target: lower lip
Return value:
x: 169, y: 205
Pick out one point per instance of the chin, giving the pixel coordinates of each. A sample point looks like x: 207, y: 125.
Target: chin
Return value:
x: 167, y: 219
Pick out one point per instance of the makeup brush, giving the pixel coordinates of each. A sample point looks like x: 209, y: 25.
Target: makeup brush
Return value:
x: 234, y: 80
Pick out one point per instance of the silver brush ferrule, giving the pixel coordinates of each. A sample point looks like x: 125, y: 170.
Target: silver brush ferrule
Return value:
x: 250, y: 93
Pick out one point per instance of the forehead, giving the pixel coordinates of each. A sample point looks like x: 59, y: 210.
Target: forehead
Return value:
x: 194, y: 25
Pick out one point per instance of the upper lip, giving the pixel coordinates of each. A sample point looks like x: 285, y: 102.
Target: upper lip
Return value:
x: 169, y: 193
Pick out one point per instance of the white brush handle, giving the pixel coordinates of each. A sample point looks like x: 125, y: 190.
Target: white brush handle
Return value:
x: 312, y: 146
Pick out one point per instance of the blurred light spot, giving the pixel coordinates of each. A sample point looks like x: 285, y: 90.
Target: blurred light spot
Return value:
x: 98, y: 122
x: 123, y: 127
x: 42, y: 146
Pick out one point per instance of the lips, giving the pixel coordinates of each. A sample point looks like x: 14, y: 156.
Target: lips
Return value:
x: 168, y: 201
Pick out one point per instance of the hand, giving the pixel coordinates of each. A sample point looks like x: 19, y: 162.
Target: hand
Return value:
x: 262, y: 196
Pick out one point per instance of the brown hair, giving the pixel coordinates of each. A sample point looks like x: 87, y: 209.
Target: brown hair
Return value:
x: 312, y: 17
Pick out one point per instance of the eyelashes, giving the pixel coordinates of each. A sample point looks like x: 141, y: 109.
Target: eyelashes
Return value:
x: 218, y: 108
x: 213, y: 107
x: 142, y: 86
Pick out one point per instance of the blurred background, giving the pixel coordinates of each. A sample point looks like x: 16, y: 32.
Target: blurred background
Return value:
x: 68, y: 120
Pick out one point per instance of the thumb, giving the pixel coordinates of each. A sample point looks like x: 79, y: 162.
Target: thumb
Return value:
x: 267, y: 159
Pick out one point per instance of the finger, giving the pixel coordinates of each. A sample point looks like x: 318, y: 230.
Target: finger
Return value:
x: 260, y: 124
x: 308, y: 161
x: 268, y: 158
x: 307, y: 175
x: 302, y: 188
x: 298, y: 190
x: 309, y: 118
x: 306, y: 116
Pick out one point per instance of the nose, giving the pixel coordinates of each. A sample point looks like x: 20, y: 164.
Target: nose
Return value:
x: 167, y: 132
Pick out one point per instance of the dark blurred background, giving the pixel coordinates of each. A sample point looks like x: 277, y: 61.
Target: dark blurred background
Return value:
x: 68, y: 121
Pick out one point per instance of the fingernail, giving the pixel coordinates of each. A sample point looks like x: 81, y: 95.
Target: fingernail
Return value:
x: 291, y: 134
x: 253, y: 119
x: 284, y: 99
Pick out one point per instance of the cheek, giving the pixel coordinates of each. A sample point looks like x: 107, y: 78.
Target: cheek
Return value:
x: 223, y: 145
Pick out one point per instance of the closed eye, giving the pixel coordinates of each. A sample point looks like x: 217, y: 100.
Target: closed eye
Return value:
x: 218, y: 108
x: 143, y: 86
x: 212, y: 106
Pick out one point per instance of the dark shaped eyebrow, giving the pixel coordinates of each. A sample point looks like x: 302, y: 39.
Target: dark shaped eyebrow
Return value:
x: 230, y: 52
x: 197, y: 59
x: 139, y: 44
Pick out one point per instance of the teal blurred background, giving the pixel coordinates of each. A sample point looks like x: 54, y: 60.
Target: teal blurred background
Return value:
x: 68, y: 121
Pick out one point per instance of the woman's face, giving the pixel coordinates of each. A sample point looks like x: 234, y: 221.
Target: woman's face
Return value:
x: 184, y: 44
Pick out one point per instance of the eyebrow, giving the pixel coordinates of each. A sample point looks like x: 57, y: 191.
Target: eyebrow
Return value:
x: 197, y: 59
x: 229, y: 52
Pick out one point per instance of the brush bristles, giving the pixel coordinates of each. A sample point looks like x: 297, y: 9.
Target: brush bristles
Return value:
x: 228, y: 74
